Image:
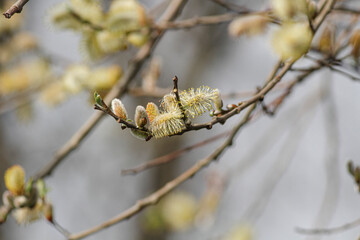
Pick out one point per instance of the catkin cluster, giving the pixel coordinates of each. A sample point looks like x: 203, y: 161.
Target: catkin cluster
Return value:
x: 103, y: 32
x: 169, y: 120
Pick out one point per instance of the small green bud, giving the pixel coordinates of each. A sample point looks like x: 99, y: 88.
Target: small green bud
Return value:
x: 41, y: 187
x: 98, y: 99
x: 28, y: 186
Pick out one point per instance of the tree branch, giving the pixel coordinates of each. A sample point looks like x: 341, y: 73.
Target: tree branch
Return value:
x: 204, y: 20
x: 15, y: 8
x: 231, y: 6
x: 327, y: 231
x: 171, y: 156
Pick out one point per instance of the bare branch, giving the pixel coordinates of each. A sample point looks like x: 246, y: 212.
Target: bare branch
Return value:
x: 197, y: 21
x: 231, y: 6
x: 346, y: 10
x: 15, y: 8
x: 204, y: 20
x: 171, y: 156
x: 328, y: 231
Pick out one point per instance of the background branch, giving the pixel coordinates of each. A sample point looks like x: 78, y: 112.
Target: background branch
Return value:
x: 15, y: 8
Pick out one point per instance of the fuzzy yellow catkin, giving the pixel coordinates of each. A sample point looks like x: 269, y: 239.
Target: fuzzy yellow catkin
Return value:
x: 15, y: 179
x: 103, y: 78
x: 74, y: 78
x: 196, y: 102
x: 240, y: 232
x: 110, y: 42
x: 167, y: 123
x: 54, y: 94
x: 125, y: 16
x: 60, y: 16
x: 178, y: 210
x: 90, y: 48
x: 248, y: 25
x: 88, y: 10
x: 137, y: 39
x: 289, y: 9
x: 292, y: 40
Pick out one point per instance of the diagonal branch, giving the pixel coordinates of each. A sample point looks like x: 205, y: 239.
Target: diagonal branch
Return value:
x: 171, y: 156
x: 15, y: 8
x: 327, y: 231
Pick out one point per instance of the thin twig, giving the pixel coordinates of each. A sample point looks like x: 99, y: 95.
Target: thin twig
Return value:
x: 331, y: 67
x: 171, y: 156
x: 15, y: 8
x: 156, y: 196
x: 231, y: 6
x: 331, y: 158
x: 197, y: 21
x: 327, y: 231
x: 60, y: 229
x: 283, y: 160
x: 347, y: 10
x: 204, y: 20
x: 117, y: 91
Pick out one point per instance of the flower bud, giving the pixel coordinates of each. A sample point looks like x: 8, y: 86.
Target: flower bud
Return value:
x: 355, y: 44
x: 97, y: 98
x: 15, y: 179
x: 326, y: 40
x: 41, y: 188
x: 48, y: 212
x: 20, y: 201
x: 312, y: 9
x: 137, y: 39
x: 141, y: 117
x: 118, y: 109
x: 152, y: 111
x: 218, y: 103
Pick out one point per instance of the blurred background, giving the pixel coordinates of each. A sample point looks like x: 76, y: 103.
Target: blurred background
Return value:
x: 282, y: 172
